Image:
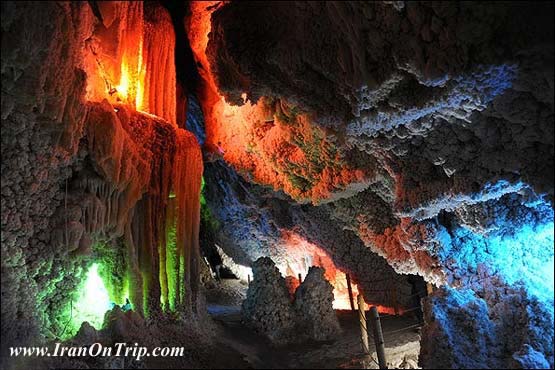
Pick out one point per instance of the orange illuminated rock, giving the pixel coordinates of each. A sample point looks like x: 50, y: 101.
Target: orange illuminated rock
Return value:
x: 130, y: 58
x: 303, y: 255
x: 272, y: 141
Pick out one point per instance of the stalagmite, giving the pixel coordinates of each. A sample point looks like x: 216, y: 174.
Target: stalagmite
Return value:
x: 398, y: 153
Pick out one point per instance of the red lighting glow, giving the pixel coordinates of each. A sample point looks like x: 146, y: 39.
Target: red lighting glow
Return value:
x: 271, y: 142
x: 301, y: 254
x: 131, y: 61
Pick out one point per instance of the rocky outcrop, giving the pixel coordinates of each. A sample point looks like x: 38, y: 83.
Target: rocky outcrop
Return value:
x: 460, y: 321
x: 268, y: 308
x: 313, y: 303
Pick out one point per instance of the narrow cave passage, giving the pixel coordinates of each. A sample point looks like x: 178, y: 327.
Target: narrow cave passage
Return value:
x: 209, y: 184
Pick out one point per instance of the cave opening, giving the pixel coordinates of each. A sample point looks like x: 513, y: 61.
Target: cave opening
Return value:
x: 355, y: 185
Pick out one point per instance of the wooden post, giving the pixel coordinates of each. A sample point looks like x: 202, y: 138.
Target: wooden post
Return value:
x: 350, y: 290
x: 378, y: 337
x: 300, y: 279
x: 363, y: 328
x: 248, y: 280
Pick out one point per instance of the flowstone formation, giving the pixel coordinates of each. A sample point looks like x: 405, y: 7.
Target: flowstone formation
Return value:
x: 92, y: 187
x: 270, y: 310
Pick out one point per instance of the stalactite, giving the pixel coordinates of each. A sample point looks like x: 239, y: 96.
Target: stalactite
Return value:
x: 131, y: 58
x: 187, y: 170
x: 159, y: 62
x: 151, y: 213
x: 133, y: 271
x: 148, y: 190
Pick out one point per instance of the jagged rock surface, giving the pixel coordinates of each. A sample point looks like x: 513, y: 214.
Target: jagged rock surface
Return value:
x: 313, y: 303
x: 267, y: 308
x: 42, y: 121
x: 79, y: 179
x: 441, y: 116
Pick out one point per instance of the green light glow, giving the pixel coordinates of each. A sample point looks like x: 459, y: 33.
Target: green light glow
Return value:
x: 93, y: 301
x: 202, y: 199
x: 172, y: 263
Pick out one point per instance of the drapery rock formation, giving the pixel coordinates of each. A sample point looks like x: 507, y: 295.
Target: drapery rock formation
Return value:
x: 378, y: 139
x: 86, y: 178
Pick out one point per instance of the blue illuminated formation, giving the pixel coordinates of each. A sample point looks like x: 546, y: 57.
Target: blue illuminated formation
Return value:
x: 475, y: 89
x: 507, y: 289
x: 195, y: 119
x: 519, y: 250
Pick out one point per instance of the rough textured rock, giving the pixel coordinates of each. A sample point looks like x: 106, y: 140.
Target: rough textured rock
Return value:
x: 268, y: 308
x: 254, y: 222
x: 500, y: 323
x: 81, y: 178
x: 313, y: 303
x: 42, y: 120
x: 440, y: 117
x: 285, y: 318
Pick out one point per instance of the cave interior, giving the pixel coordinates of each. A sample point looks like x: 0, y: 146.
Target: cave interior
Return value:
x: 245, y: 179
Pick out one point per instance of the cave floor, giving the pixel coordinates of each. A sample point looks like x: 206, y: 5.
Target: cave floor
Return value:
x: 402, y: 342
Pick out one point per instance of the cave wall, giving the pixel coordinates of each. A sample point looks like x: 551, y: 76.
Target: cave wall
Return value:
x: 86, y: 177
x: 43, y: 117
x: 402, y: 138
x: 419, y: 131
